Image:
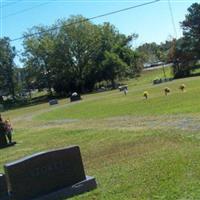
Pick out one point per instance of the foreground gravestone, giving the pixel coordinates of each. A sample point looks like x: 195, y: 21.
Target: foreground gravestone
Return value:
x: 53, y: 102
x: 48, y: 175
x: 3, y: 187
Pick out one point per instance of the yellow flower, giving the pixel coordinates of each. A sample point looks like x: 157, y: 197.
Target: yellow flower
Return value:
x: 167, y: 90
x: 182, y: 87
x: 146, y: 94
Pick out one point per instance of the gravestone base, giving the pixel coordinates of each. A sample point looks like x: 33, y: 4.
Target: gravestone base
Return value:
x: 6, y: 197
x: 3, y: 188
x: 84, y: 186
x: 7, y: 145
x: 75, y: 98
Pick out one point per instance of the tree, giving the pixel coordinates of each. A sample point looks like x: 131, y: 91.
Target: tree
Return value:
x: 185, y: 52
x: 183, y: 59
x: 114, y: 67
x: 38, y: 55
x: 116, y: 58
x: 191, y: 29
x: 150, y: 51
x: 7, y: 54
x: 77, y: 54
x: 77, y: 48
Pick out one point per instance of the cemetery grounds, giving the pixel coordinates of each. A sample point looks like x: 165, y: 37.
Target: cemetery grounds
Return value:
x: 135, y: 148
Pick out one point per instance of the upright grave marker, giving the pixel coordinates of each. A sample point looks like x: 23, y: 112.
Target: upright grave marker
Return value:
x: 48, y: 175
x: 75, y: 97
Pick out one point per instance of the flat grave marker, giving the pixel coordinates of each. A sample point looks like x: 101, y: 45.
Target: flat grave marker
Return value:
x: 53, y: 102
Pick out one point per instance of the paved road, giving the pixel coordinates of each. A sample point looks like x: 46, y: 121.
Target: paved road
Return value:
x: 157, y: 67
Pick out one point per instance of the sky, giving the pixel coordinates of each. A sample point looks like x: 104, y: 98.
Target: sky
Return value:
x: 153, y: 22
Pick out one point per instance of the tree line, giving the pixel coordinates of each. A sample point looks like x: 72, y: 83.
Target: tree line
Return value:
x: 183, y: 52
x: 72, y: 56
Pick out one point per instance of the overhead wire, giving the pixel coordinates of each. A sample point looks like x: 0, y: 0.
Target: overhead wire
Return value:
x: 25, y: 10
x: 172, y: 18
x: 88, y: 19
x: 10, y: 4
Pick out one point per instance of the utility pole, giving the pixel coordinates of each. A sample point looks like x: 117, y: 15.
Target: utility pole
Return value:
x: 163, y: 68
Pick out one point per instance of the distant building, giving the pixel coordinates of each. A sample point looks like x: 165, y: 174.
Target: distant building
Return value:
x: 146, y: 65
x: 154, y: 64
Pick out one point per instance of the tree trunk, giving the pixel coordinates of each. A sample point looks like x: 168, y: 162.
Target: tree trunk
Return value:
x: 113, y: 83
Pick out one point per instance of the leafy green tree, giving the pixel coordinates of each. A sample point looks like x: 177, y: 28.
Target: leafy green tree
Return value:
x: 186, y: 52
x: 38, y: 55
x: 78, y: 54
x: 191, y: 29
x: 117, y: 59
x: 183, y: 59
x: 150, y: 52
x: 114, y: 67
x: 77, y: 48
x: 7, y: 54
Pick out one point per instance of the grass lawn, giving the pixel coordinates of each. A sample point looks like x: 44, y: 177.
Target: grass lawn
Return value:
x: 136, y: 148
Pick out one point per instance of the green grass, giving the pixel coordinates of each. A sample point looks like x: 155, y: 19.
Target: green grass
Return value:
x: 137, y: 149
x: 116, y: 104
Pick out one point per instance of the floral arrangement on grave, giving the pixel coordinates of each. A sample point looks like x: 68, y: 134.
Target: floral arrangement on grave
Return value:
x: 145, y: 94
x: 167, y: 91
x: 182, y: 87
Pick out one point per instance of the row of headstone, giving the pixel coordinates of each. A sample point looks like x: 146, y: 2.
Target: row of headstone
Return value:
x: 51, y: 175
x: 74, y: 97
x: 162, y: 80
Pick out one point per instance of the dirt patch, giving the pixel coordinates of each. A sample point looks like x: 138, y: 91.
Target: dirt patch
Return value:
x: 156, y: 122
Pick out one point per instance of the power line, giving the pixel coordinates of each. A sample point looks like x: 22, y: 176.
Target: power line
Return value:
x: 25, y: 10
x: 88, y: 19
x: 10, y: 4
x: 172, y: 18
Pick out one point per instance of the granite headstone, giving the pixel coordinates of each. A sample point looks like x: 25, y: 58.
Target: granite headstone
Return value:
x: 48, y: 173
x: 53, y: 102
x: 75, y: 97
